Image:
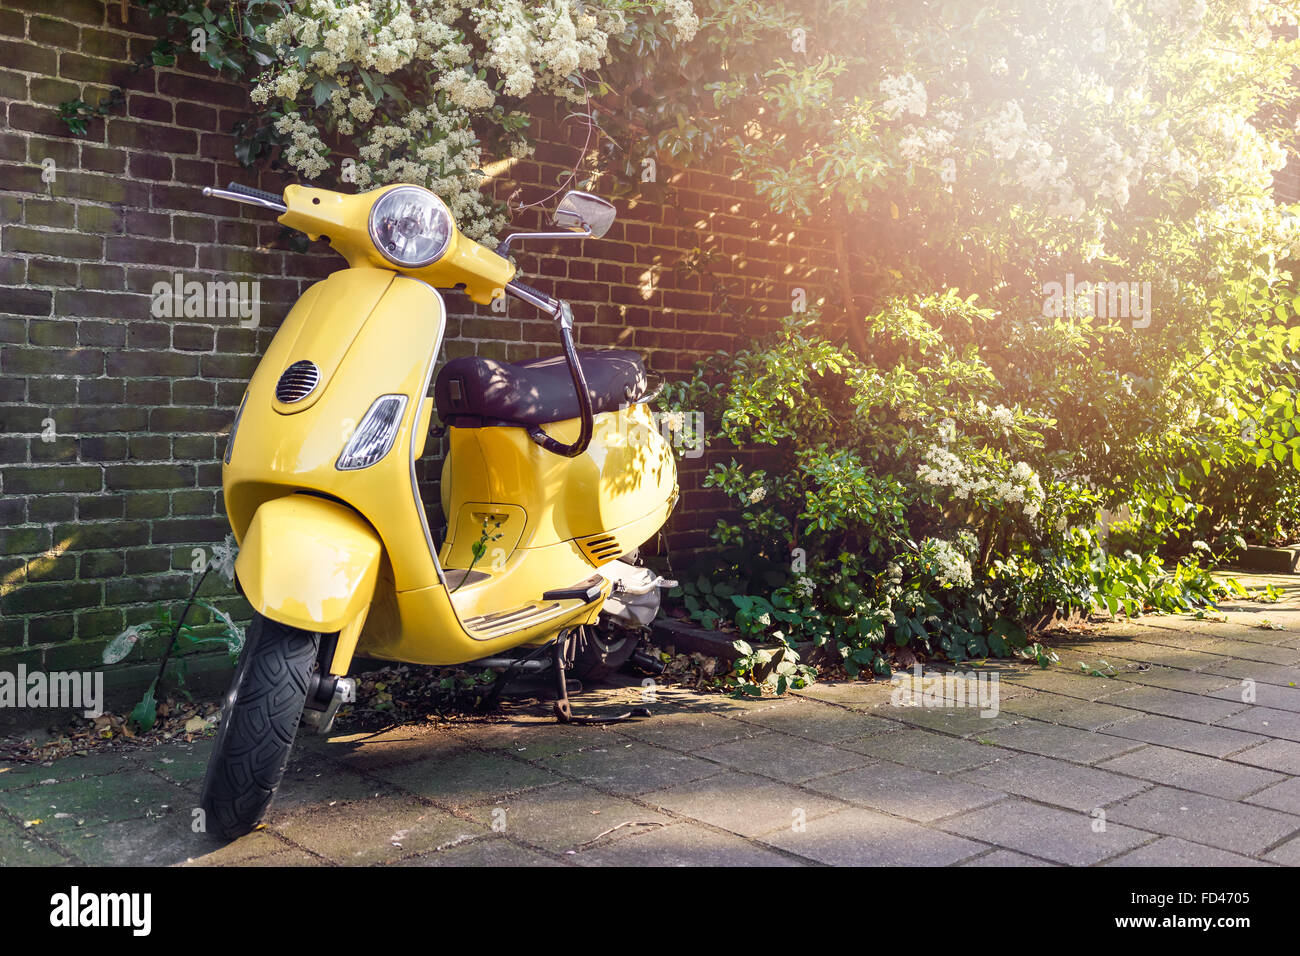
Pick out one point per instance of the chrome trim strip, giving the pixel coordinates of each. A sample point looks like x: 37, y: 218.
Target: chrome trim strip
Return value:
x: 424, y: 392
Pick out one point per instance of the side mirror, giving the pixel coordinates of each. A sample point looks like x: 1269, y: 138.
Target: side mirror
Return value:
x: 584, y: 212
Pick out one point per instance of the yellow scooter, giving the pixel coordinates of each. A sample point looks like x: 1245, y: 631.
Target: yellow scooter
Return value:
x: 555, y: 470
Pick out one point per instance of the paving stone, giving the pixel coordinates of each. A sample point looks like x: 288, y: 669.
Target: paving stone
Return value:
x: 466, y: 778
x: 1266, y: 695
x: 1065, y: 743
x: 1060, y: 835
x: 14, y: 775
x: 183, y: 764
x: 817, y: 721
x: 306, y: 789
x: 361, y: 834
x: 286, y: 858
x: 629, y: 766
x: 533, y: 739
x: 964, y: 722
x: 1058, y: 680
x: 92, y: 801
x: 564, y: 817
x: 1163, y: 655
x: 915, y: 747
x: 362, y: 752
x: 903, y: 791
x: 1069, y: 711
x: 1227, y: 824
x: 162, y: 841
x: 1283, y: 796
x: 1171, y: 851
x: 690, y: 732
x: 251, y: 846
x: 1173, y: 703
x: 848, y: 693
x: 1177, y: 768
x: 865, y: 838
x: 741, y: 803
x: 482, y: 851
x: 1170, y: 678
x: 1288, y: 854
x: 1260, y: 673
x: 1249, y: 651
x: 1005, y: 858
x: 1266, y: 722
x: 1280, y: 755
x: 784, y: 758
x: 1184, y: 735
x: 1054, y: 781
x: 683, y: 844
x: 19, y: 847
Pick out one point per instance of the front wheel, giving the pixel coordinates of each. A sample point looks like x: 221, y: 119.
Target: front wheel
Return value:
x: 259, y: 719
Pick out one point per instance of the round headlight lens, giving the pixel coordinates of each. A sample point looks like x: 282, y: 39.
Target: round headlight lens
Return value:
x: 410, y: 226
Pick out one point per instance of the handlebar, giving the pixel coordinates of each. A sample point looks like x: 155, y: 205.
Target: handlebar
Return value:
x: 563, y: 315
x: 248, y: 195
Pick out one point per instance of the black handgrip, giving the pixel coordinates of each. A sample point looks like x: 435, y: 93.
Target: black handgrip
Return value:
x: 256, y: 193
x: 528, y: 289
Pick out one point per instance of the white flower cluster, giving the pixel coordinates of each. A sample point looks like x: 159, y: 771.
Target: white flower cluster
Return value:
x: 973, y: 481
x: 903, y: 94
x: 338, y: 62
x: 946, y: 563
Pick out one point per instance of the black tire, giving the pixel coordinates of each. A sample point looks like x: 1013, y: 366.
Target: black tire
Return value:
x: 602, y: 650
x: 259, y: 720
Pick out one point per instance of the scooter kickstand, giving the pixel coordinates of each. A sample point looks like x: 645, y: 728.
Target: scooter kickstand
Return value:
x: 563, y: 712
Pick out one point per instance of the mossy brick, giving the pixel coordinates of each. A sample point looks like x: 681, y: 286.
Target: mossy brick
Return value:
x: 43, y: 569
x: 100, y: 622
x: 155, y: 109
x: 101, y: 333
x: 194, y: 391
x: 208, y: 475
x: 139, y: 589
x: 194, y: 447
x: 151, y: 166
x: 153, y: 137
x: 96, y: 304
x: 102, y: 220
x: 13, y: 633
x: 101, y: 391
x: 28, y: 301
x: 14, y: 449
x: 42, y: 598
x: 52, y: 272
x: 102, y: 159
x: 89, y: 69
x: 24, y: 540
x: 149, y: 448
x: 13, y: 329
x: 193, y: 338
x: 13, y: 271
x: 44, y: 629
x: 12, y: 23
x: 149, y: 335
x: 148, y: 477
x: 49, y: 479
x: 239, y: 261
x: 151, y: 364
x: 48, y: 361
x: 53, y: 391
x: 57, y: 332
x: 103, y: 448
x: 48, y: 242
x: 229, y: 366
x: 198, y: 502
x: 101, y: 188
x: 145, y: 392
x: 29, y: 57
x: 100, y: 507
x: 178, y: 530
x: 102, y: 43
x: 108, y: 419
x: 21, y: 177
x: 101, y: 564
x: 62, y: 450
x: 193, y: 228
x: 177, y: 419
x: 147, y: 561
x: 44, y: 509
x: 48, y: 213
x: 74, y: 655
x: 93, y: 536
x: 13, y: 511
x: 13, y: 389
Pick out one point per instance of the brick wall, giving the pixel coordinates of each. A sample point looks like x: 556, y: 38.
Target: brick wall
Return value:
x: 112, y: 421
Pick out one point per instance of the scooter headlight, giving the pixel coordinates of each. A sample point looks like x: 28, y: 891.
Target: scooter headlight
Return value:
x: 410, y: 226
x: 374, y: 436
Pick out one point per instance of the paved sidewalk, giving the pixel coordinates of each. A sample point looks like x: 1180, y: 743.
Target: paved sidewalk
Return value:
x: 1187, y: 754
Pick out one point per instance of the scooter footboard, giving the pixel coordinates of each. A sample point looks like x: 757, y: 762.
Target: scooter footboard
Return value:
x: 309, y: 563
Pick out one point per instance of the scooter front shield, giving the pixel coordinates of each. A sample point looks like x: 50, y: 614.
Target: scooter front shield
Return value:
x: 309, y: 563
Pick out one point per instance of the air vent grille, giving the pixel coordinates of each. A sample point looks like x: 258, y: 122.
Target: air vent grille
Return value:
x: 297, y: 382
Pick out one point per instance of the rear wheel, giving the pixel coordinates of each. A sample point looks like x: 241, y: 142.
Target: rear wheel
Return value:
x: 259, y: 720
x: 602, y: 650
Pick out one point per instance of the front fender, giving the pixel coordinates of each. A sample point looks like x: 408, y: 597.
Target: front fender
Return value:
x: 309, y: 563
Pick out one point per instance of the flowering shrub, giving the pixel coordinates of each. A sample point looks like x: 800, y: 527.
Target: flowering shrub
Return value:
x: 412, y: 85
